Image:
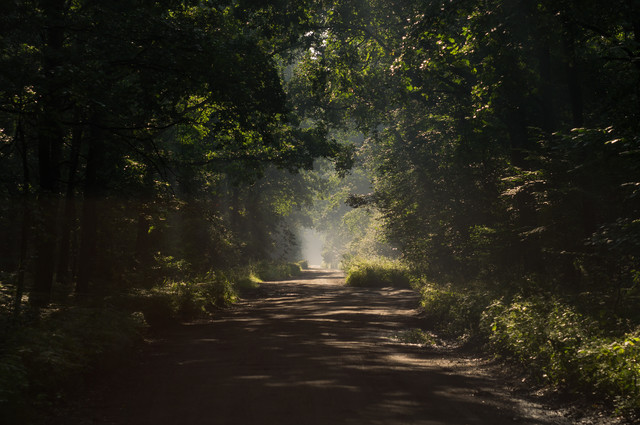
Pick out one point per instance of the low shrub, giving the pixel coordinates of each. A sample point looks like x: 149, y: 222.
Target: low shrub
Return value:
x: 538, y: 333
x: 612, y: 366
x: 562, y: 347
x: 551, y: 339
x: 185, y: 300
x: 377, y: 273
x: 453, y: 313
x: 244, y: 279
x: 270, y: 271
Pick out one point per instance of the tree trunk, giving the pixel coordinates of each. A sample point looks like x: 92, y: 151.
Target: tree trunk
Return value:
x: 143, y: 252
x: 50, y: 140
x: 26, y: 222
x: 45, y: 247
x: 546, y: 89
x: 517, y: 129
x: 573, y: 81
x: 89, y: 221
x: 69, y: 217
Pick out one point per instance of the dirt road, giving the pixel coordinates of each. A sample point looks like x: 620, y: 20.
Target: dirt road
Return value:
x: 309, y: 351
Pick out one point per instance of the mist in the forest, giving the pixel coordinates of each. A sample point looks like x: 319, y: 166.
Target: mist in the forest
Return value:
x: 312, y: 243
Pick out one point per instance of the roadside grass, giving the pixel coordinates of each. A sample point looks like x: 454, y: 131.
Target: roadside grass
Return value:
x: 377, y: 273
x: 270, y: 271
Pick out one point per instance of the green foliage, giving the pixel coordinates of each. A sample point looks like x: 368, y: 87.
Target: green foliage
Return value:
x: 612, y: 366
x: 554, y: 342
x: 453, y: 312
x: 42, y: 361
x: 559, y: 345
x: 189, y: 299
x: 540, y: 333
x: 182, y: 161
x: 377, y: 273
x: 167, y: 267
x: 347, y: 231
x: 244, y: 278
x: 269, y: 271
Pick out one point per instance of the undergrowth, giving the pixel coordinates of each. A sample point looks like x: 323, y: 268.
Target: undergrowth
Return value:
x: 270, y: 271
x: 47, y: 355
x: 560, y: 346
x: 43, y: 360
x: 186, y: 299
x: 552, y: 341
x: 377, y: 273
x: 452, y: 312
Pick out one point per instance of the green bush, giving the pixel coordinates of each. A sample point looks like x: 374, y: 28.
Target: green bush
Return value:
x: 560, y: 346
x: 270, y: 271
x: 185, y: 300
x: 453, y: 313
x: 612, y: 366
x: 219, y: 291
x: 377, y: 273
x: 551, y: 339
x: 541, y: 334
x: 245, y: 279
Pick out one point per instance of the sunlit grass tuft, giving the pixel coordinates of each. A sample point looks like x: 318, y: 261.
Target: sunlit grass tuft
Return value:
x: 377, y: 273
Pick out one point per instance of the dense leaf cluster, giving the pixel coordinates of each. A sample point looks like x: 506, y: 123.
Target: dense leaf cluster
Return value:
x: 132, y: 132
x: 502, y: 135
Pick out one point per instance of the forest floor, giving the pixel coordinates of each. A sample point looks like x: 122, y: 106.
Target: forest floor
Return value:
x: 312, y: 351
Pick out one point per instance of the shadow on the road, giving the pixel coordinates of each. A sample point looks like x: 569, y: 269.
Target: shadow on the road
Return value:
x: 312, y: 352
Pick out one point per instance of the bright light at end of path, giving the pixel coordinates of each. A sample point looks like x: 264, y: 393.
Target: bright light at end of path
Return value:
x: 312, y: 244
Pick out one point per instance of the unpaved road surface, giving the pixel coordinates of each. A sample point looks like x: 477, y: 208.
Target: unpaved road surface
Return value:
x: 308, y: 351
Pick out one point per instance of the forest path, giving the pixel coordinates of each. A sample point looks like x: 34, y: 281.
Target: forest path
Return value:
x: 308, y: 351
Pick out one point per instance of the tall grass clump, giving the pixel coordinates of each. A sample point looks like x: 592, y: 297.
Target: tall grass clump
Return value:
x: 377, y: 273
x: 270, y: 271
x: 244, y: 279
